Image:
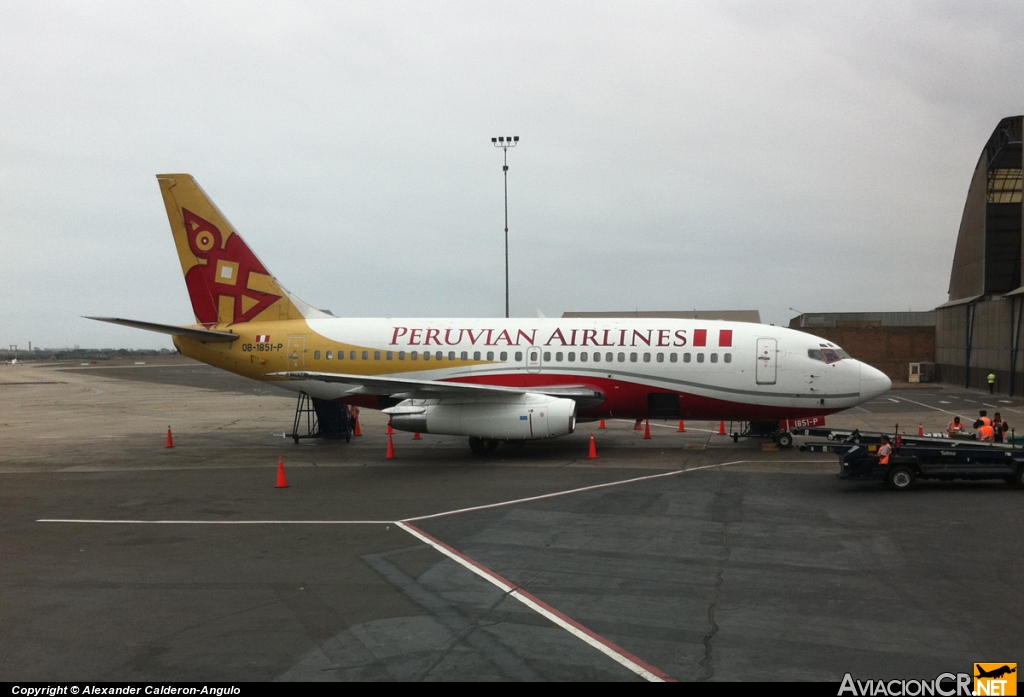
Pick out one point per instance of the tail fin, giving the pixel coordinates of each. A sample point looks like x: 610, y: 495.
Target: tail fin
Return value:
x: 226, y: 282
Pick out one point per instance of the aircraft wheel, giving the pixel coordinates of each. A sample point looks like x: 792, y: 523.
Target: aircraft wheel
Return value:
x: 476, y: 445
x: 785, y: 439
x: 490, y: 445
x: 900, y: 478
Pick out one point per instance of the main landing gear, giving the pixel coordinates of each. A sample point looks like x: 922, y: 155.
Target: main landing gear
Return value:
x: 482, y: 446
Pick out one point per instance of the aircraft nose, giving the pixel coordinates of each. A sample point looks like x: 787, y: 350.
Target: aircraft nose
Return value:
x: 873, y: 382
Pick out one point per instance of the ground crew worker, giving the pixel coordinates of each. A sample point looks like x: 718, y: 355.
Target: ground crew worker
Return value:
x: 955, y: 427
x: 999, y: 427
x: 991, y: 383
x: 986, y: 432
x: 983, y: 420
x: 884, y: 451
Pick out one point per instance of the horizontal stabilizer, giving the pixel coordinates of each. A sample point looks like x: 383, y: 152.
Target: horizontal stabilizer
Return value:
x: 174, y: 330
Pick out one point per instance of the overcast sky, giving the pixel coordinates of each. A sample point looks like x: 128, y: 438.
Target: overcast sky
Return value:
x: 673, y: 155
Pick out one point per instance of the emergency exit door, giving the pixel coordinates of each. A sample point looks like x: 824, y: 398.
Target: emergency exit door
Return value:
x: 767, y: 360
x: 296, y: 353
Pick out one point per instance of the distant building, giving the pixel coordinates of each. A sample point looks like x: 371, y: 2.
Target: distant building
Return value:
x: 978, y: 330
x: 889, y: 341
x: 729, y: 315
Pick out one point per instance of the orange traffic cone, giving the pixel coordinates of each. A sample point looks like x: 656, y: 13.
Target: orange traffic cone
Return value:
x: 593, y: 448
x: 417, y: 436
x: 391, y: 431
x: 721, y: 428
x: 282, y: 483
x: 682, y: 426
x: 359, y: 431
x: 170, y: 441
x: 602, y: 426
x: 647, y: 430
x: 637, y: 426
x: 391, y: 450
x: 920, y: 429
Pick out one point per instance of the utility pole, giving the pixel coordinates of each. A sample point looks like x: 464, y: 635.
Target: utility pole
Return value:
x: 505, y: 142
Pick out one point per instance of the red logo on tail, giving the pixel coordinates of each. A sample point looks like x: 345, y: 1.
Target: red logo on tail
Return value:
x: 225, y: 270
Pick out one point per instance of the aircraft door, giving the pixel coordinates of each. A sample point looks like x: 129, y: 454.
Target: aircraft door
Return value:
x: 767, y: 360
x: 296, y: 353
x: 533, y: 359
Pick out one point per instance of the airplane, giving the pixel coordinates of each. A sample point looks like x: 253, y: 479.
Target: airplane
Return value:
x: 490, y: 380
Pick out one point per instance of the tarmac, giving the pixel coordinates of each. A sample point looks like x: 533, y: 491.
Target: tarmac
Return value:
x: 684, y: 557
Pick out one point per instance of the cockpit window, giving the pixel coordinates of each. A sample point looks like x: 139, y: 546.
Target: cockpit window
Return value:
x: 827, y: 355
x: 831, y: 355
x: 815, y: 354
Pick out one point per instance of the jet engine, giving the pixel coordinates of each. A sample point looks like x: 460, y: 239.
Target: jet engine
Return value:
x: 531, y: 416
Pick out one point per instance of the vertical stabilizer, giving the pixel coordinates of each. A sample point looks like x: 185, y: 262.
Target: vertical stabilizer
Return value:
x: 226, y: 282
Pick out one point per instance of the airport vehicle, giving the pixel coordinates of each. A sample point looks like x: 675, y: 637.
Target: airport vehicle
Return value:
x: 490, y: 379
x: 922, y: 458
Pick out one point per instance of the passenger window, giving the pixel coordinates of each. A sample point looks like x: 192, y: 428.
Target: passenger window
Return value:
x: 451, y: 355
x: 700, y: 357
x: 632, y: 358
x: 647, y: 358
x: 572, y: 356
x: 341, y: 355
x: 476, y: 355
x: 583, y: 357
x: 597, y: 357
x: 401, y: 355
x: 390, y: 355
x: 464, y: 355
x: 503, y: 356
x: 558, y: 356
x: 686, y: 358
x: 414, y: 355
x: 672, y: 357
x: 351, y: 355
x: 330, y: 354
x: 376, y: 355
x: 438, y: 356
x: 714, y: 358
x: 727, y: 358
x: 490, y: 355
x: 547, y: 356
x: 426, y: 355
x: 609, y: 357
x: 661, y: 358
x: 519, y: 356
x: 366, y: 355
x: 316, y: 355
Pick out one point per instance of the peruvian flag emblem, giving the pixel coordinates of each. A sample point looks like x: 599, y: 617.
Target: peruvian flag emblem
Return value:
x: 263, y: 338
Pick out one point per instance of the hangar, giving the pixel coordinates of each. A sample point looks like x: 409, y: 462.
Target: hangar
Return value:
x: 978, y: 330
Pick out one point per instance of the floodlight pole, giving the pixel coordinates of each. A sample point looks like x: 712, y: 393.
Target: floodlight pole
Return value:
x: 505, y: 142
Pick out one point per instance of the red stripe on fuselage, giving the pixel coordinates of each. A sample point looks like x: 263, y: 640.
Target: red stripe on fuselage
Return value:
x: 625, y: 399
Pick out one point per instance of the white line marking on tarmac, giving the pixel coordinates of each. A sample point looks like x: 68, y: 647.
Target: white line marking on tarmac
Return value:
x: 574, y: 491
x: 613, y: 651
x: 969, y: 400
x: 942, y: 401
x: 927, y: 406
x: 894, y: 400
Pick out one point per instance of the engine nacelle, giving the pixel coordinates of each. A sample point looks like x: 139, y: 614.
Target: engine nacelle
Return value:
x: 533, y: 416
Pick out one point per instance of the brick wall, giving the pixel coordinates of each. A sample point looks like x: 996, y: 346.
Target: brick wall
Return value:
x: 890, y: 349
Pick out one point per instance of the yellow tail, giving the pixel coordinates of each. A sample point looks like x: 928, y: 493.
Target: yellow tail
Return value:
x: 226, y: 282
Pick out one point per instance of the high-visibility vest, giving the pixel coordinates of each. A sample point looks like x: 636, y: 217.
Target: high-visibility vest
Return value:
x: 883, y: 454
x: 985, y: 421
x: 991, y: 378
x: 956, y: 427
x: 987, y: 433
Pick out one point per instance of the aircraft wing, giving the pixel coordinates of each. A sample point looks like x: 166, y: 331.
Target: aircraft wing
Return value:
x: 406, y: 389
x: 172, y: 329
